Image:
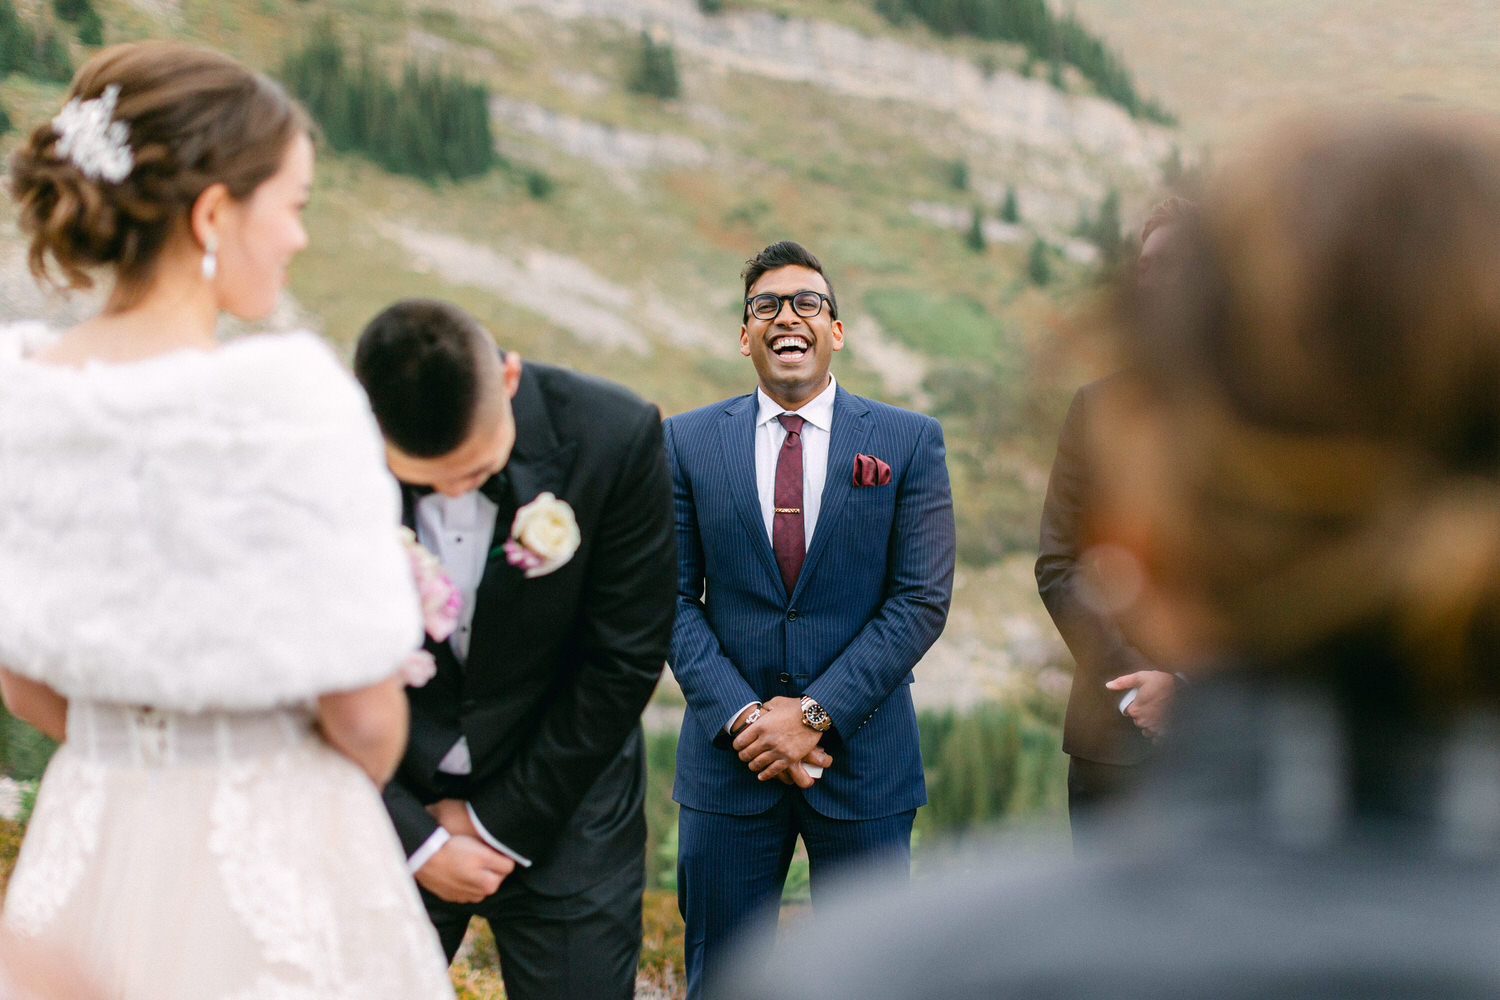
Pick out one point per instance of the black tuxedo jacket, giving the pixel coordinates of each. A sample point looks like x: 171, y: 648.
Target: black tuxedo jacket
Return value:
x: 560, y: 666
x: 1094, y: 728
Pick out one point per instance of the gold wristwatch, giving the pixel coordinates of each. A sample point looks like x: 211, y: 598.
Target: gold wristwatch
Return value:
x: 813, y: 715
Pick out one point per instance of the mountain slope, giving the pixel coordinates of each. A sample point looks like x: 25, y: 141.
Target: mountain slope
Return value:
x: 873, y: 145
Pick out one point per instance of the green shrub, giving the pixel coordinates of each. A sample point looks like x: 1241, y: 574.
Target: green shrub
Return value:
x: 655, y: 71
x: 993, y: 762
x: 539, y: 185
x: 1038, y: 266
x: 958, y: 175
x: 84, y: 17
x: 974, y: 238
x: 31, y: 50
x: 1010, y: 209
x: 91, y: 28
x: 661, y: 811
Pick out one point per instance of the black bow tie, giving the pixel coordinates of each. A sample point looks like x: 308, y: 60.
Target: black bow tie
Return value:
x: 496, y: 489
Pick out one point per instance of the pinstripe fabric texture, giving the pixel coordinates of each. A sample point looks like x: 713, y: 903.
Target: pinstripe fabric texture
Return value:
x: 871, y: 597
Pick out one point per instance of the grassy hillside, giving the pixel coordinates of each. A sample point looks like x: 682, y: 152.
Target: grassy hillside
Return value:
x: 613, y: 237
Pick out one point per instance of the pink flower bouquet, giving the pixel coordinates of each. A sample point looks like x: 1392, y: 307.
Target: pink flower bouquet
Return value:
x: 441, y: 604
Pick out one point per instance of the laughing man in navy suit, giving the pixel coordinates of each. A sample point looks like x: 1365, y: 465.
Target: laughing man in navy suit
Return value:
x: 815, y: 540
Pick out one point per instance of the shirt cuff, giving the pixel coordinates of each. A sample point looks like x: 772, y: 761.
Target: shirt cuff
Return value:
x: 484, y: 835
x: 730, y: 724
x: 429, y: 847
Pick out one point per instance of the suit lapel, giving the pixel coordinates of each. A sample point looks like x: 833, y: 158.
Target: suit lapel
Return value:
x: 538, y: 463
x: 737, y: 442
x: 851, y: 428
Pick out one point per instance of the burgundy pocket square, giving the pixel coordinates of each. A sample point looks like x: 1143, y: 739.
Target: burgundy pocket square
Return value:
x: 870, y: 471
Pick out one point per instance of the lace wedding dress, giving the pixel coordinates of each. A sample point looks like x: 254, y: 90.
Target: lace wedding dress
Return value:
x: 192, y: 548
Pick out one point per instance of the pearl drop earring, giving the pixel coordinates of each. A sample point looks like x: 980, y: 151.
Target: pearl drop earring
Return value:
x: 210, y: 257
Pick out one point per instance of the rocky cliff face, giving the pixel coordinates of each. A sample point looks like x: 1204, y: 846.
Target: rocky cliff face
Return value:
x: 1068, y: 148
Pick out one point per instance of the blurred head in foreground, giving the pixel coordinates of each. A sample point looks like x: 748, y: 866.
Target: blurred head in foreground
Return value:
x: 1303, y: 465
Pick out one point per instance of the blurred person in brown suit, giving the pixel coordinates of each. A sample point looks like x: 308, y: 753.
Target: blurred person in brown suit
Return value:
x: 1302, y: 483
x: 1119, y: 703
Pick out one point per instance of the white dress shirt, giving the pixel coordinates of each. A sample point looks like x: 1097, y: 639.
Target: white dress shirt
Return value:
x: 817, y: 427
x: 769, y: 437
x: 458, y: 531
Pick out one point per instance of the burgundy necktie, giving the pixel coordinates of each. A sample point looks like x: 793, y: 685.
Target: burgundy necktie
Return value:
x: 787, y: 538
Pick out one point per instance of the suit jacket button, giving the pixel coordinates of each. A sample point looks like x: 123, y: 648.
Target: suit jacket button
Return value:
x: 791, y: 615
x: 784, y: 678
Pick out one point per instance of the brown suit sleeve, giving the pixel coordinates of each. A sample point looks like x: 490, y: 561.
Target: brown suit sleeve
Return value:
x: 1094, y: 728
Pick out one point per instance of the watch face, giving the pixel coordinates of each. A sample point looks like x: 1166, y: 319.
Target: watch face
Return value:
x: 814, y: 716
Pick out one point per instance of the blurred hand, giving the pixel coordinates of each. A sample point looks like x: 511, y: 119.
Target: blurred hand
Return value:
x: 1152, y: 707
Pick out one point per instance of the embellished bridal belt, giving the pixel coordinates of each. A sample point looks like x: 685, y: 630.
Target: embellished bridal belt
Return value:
x: 142, y: 736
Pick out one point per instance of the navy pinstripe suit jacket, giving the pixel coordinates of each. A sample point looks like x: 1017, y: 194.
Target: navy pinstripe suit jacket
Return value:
x: 871, y: 598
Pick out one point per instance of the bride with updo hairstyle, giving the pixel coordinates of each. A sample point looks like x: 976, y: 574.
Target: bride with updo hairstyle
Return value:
x: 204, y: 597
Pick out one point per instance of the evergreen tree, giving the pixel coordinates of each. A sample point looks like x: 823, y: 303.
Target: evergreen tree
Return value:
x: 91, y: 28
x: 35, y: 52
x: 710, y: 6
x: 10, y: 39
x: 539, y: 185
x: 1044, y: 36
x: 84, y: 17
x: 72, y: 11
x: 1038, y: 267
x: 958, y: 175
x: 5, y: 123
x: 433, y: 125
x: 1010, y: 210
x: 656, y: 70
x: 1105, y: 232
x: 974, y: 238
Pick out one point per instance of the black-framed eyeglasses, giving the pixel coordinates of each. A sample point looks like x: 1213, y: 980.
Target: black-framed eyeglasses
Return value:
x: 806, y: 303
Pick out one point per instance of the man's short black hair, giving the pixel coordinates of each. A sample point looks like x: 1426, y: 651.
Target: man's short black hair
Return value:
x: 786, y: 253
x: 418, y: 361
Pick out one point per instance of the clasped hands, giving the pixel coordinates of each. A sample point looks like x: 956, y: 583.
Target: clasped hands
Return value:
x: 465, y: 869
x: 777, y: 744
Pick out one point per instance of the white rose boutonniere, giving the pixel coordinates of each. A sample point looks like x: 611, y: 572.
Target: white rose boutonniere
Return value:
x: 543, y: 537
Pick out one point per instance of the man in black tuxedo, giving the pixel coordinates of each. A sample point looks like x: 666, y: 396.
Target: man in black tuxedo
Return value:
x: 520, y: 796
